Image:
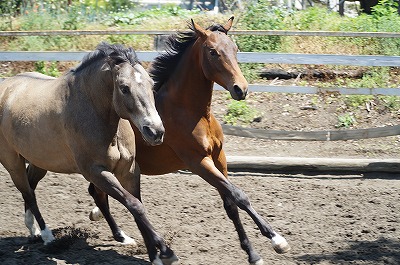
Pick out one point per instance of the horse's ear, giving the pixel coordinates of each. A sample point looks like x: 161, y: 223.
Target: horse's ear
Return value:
x: 202, y: 33
x: 228, y: 24
x: 106, y: 67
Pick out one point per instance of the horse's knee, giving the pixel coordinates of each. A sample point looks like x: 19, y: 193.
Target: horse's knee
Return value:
x: 238, y: 197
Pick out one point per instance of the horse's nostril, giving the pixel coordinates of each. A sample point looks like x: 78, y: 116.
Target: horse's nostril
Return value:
x: 156, y: 135
x: 147, y: 130
x: 239, y: 92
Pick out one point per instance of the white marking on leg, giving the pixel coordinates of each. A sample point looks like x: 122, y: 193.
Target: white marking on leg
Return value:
x: 127, y: 240
x: 47, y: 235
x: 258, y: 262
x: 95, y: 214
x: 138, y: 77
x: 280, y: 244
x: 30, y: 223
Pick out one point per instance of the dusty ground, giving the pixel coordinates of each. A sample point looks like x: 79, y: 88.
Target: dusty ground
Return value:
x: 327, y: 219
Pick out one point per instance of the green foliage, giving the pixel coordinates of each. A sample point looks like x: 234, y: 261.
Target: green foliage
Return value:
x: 239, y: 111
x: 346, y: 120
x: 315, y: 18
x: 355, y: 101
x: 123, y: 17
x: 261, y: 16
x: 47, y: 69
x: 375, y: 77
x: 392, y: 103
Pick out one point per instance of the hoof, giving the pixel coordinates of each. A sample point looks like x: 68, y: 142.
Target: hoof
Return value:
x: 171, y: 260
x: 125, y: 240
x: 280, y: 244
x: 258, y: 262
x: 166, y: 261
x: 95, y: 214
x: 47, y: 236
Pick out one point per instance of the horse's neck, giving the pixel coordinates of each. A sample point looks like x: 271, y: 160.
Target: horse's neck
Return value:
x: 193, y: 89
x: 95, y: 92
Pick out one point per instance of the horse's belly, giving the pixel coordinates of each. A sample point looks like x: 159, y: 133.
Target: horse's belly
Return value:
x: 52, y: 159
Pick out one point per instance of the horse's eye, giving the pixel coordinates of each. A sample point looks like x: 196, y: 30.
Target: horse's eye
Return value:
x: 213, y: 52
x: 124, y: 89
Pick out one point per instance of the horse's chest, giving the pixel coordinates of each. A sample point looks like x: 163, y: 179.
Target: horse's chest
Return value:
x: 120, y: 155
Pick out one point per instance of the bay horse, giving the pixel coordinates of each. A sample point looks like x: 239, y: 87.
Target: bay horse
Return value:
x: 184, y: 76
x: 81, y: 123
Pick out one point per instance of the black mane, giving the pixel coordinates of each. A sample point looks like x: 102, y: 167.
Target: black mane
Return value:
x: 116, y: 52
x: 165, y: 64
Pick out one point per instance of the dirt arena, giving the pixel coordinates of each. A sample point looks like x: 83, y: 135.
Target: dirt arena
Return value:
x: 327, y: 219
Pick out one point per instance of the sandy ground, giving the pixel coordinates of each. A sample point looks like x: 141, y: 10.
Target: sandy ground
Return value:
x: 326, y: 219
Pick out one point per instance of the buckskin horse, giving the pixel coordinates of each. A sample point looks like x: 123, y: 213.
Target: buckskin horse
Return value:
x: 81, y: 123
x: 184, y: 76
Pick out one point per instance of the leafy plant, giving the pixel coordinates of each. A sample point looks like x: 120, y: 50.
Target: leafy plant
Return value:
x: 261, y: 16
x: 390, y: 102
x: 239, y: 111
x: 346, y: 120
x: 355, y: 101
x: 51, y: 69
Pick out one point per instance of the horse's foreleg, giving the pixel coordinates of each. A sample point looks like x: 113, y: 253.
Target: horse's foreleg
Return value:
x: 233, y: 214
x: 212, y: 175
x: 101, y: 200
x: 109, y: 184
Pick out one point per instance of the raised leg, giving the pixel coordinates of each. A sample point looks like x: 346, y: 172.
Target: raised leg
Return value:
x: 108, y: 183
x: 233, y: 214
x: 230, y: 193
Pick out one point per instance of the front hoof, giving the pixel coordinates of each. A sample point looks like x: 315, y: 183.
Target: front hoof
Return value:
x: 258, y: 262
x: 280, y: 244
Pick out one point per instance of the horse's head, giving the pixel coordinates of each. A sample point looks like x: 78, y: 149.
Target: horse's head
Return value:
x: 219, y: 59
x: 133, y: 97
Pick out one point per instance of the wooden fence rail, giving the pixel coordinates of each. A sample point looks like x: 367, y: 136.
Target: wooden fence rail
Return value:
x: 337, y: 135
x: 232, y: 32
x: 243, y: 57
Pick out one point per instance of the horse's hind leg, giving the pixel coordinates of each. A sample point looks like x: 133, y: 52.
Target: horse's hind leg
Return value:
x: 15, y: 165
x: 101, y: 200
x: 35, y: 174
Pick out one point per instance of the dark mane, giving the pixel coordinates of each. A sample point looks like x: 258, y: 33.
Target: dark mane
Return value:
x: 165, y: 64
x: 116, y: 52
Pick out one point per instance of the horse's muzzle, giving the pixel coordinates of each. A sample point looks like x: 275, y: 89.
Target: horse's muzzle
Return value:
x: 154, y: 136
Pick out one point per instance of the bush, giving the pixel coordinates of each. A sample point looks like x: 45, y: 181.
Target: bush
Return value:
x: 239, y: 111
x: 261, y: 16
